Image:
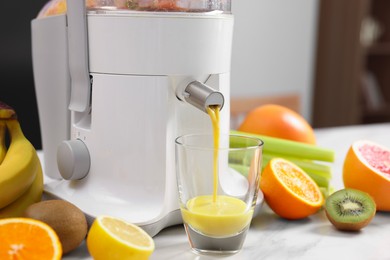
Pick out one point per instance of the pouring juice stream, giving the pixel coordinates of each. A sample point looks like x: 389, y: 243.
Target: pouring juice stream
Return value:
x: 213, y: 112
x: 216, y: 215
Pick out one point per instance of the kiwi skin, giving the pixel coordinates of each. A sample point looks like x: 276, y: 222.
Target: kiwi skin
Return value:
x: 351, y: 223
x: 67, y: 220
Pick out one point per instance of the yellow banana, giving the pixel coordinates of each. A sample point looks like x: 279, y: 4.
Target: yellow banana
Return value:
x: 32, y: 195
x: 6, y: 112
x: 19, y: 167
x: 3, y: 148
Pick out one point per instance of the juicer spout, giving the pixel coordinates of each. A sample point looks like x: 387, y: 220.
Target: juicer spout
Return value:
x: 202, y: 96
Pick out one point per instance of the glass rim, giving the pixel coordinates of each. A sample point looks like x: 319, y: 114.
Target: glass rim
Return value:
x: 259, y: 144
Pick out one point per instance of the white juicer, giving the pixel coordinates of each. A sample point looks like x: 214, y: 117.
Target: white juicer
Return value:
x: 115, y: 86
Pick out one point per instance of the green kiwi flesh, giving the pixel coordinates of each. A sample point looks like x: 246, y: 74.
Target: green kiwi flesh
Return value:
x: 350, y: 209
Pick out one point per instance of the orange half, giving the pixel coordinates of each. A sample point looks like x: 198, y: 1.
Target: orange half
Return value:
x: 289, y: 191
x: 367, y: 168
x: 25, y: 238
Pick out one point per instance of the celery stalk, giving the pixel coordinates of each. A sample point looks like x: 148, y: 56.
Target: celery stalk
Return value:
x: 280, y: 146
x: 243, y: 169
x: 319, y: 169
x: 319, y: 180
x: 325, y: 192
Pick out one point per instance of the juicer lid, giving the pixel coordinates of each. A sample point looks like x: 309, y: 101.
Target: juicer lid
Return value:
x: 57, y: 7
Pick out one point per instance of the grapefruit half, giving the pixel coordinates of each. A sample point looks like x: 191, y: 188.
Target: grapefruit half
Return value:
x: 367, y: 168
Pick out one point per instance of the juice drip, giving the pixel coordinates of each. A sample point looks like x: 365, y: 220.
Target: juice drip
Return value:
x: 213, y: 112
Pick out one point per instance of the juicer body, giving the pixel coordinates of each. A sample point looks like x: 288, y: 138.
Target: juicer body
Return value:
x: 139, y: 64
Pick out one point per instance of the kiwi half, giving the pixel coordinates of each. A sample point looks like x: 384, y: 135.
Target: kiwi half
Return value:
x: 350, y: 209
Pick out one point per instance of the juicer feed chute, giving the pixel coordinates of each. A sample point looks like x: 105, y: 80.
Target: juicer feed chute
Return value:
x: 115, y: 86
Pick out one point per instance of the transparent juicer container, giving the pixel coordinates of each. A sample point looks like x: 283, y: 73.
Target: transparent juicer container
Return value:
x: 56, y: 7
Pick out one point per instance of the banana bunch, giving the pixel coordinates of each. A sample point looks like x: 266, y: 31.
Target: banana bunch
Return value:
x: 21, y: 178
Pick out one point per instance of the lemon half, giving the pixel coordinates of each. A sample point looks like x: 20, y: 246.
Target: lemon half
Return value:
x: 114, y: 238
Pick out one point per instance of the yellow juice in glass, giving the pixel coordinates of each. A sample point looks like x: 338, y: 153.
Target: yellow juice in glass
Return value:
x: 225, y: 217
x: 214, y: 215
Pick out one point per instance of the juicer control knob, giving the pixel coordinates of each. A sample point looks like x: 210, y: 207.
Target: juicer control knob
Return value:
x: 73, y: 159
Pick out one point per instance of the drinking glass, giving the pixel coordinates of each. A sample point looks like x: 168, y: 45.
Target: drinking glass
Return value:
x: 218, y: 189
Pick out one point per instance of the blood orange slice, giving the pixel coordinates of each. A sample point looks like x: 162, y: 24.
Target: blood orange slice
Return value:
x: 367, y: 168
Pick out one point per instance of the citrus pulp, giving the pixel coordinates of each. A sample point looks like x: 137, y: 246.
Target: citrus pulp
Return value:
x: 113, y: 238
x: 367, y: 168
x: 289, y: 191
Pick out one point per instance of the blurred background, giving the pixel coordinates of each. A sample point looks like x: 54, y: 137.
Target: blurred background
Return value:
x: 326, y: 59
x: 17, y: 83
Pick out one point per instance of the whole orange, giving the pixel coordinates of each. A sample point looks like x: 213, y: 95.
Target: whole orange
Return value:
x: 367, y: 168
x: 289, y: 191
x: 278, y: 121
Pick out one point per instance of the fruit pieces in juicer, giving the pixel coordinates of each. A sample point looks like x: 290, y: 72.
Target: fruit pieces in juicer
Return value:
x: 179, y: 5
x: 57, y: 7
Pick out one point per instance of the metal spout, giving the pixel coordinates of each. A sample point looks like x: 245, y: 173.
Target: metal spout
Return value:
x: 202, y: 96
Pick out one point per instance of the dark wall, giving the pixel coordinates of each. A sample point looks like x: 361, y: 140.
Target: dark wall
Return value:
x: 17, y: 84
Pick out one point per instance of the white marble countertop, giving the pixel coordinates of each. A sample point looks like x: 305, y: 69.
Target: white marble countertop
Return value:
x: 271, y: 237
